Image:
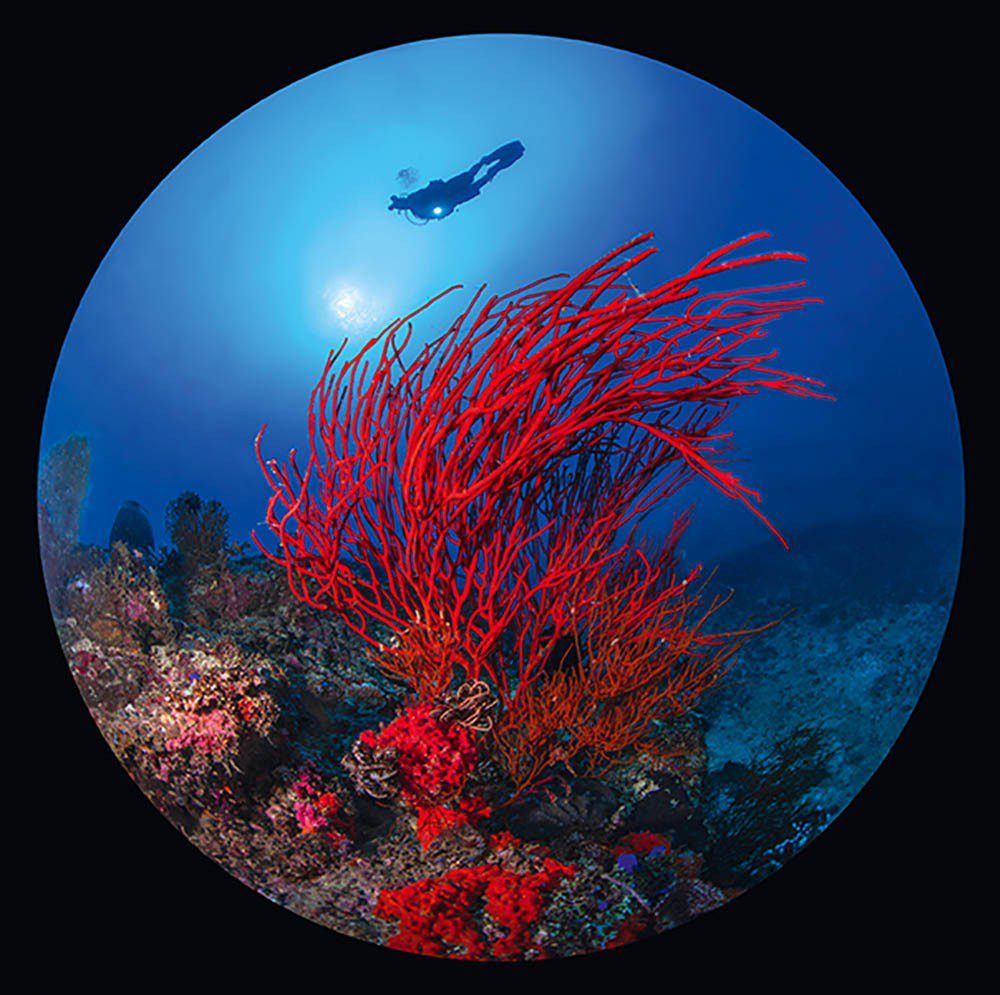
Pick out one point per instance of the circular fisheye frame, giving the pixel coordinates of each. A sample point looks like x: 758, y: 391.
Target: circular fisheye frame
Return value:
x: 462, y: 528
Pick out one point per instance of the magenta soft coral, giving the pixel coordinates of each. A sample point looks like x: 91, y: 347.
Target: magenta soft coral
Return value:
x: 435, y: 758
x: 319, y: 811
x: 441, y: 916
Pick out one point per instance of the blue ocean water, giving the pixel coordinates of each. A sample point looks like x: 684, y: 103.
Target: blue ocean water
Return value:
x: 215, y: 308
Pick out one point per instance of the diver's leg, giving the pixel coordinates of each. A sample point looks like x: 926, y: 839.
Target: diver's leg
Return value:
x: 508, y: 154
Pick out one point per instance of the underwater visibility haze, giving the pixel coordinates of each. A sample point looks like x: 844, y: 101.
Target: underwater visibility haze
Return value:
x: 587, y: 599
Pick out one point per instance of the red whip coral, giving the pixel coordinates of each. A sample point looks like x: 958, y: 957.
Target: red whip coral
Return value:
x: 471, y: 509
x: 441, y: 916
x: 435, y: 758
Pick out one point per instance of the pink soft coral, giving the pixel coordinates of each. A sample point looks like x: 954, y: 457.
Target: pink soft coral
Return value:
x: 210, y: 733
x: 319, y: 811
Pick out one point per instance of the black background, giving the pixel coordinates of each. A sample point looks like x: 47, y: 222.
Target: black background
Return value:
x: 104, y: 891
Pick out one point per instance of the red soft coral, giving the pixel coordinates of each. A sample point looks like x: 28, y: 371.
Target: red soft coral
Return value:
x: 438, y: 916
x: 435, y: 758
x: 641, y: 843
x: 503, y: 840
x: 436, y: 819
x: 515, y: 902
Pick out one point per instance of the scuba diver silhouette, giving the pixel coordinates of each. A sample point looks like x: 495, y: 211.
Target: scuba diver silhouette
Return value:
x: 440, y: 197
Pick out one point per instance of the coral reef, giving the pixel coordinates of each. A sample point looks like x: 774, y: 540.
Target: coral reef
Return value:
x: 198, y: 716
x: 462, y: 710
x: 120, y: 602
x: 281, y: 748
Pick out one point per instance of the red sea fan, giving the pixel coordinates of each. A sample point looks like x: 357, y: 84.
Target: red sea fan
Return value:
x: 456, y: 507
